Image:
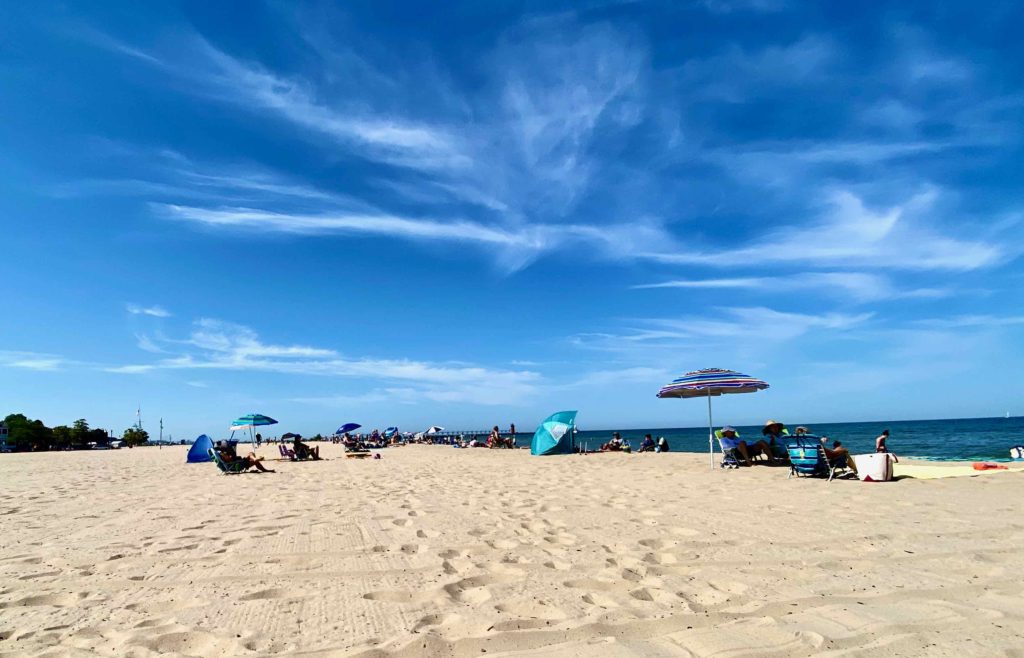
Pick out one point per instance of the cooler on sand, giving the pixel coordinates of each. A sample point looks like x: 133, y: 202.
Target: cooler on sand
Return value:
x: 875, y: 467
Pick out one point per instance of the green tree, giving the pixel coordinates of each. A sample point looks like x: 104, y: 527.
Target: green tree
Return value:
x: 26, y: 434
x: 62, y: 435
x: 80, y: 433
x: 134, y: 436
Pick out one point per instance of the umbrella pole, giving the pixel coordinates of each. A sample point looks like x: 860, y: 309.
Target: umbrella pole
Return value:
x: 711, y: 434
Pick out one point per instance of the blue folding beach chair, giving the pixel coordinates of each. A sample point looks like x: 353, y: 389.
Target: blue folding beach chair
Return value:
x: 807, y: 458
x: 228, y: 469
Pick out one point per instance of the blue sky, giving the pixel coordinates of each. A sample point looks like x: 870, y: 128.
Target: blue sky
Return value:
x: 391, y: 213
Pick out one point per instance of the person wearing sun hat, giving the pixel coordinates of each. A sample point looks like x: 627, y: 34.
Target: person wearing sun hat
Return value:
x: 773, y: 432
x: 730, y: 439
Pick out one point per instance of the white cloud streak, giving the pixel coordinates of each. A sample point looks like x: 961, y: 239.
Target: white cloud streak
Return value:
x: 855, y: 286
x: 217, y: 345
x: 32, y: 361
x: 152, y: 311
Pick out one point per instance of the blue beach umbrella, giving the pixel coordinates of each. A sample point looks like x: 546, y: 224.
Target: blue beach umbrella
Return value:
x: 250, y: 421
x: 391, y: 431
x: 348, y: 427
x: 708, y: 383
x: 554, y: 436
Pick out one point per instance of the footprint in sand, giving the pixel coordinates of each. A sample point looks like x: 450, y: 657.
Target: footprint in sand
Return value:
x: 192, y: 643
x: 658, y: 544
x: 558, y: 565
x: 55, y: 600
x: 654, y: 596
x: 600, y: 600
x: 44, y: 574
x: 439, y: 619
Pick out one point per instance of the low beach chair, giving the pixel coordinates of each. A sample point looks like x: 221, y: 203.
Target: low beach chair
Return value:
x: 807, y: 457
x: 731, y: 457
x: 730, y: 454
x: 286, y: 452
x: 228, y: 469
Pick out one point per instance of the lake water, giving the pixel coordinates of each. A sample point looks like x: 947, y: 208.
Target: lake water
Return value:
x: 958, y: 439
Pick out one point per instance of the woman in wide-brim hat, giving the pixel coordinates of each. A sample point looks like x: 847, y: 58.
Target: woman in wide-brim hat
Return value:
x: 773, y: 432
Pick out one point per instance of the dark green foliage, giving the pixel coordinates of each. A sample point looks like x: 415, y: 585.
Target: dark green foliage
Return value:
x: 25, y: 434
x: 134, y: 436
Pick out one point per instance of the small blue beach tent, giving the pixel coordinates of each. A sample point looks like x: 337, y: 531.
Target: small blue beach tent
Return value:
x: 200, y: 450
x: 555, y: 435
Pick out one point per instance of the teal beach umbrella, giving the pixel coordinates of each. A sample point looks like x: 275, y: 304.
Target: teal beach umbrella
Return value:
x: 250, y: 421
x: 554, y: 436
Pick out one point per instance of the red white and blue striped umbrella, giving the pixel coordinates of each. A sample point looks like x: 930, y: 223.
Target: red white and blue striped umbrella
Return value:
x: 711, y: 381
x: 708, y: 383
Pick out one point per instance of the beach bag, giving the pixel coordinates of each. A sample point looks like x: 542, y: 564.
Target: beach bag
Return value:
x: 875, y: 467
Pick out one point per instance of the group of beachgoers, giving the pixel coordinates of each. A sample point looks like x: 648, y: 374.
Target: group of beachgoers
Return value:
x: 774, y: 437
x: 300, y: 451
x: 648, y: 444
x: 771, y: 445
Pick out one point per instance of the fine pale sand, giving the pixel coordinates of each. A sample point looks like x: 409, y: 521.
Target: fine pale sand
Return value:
x: 435, y: 551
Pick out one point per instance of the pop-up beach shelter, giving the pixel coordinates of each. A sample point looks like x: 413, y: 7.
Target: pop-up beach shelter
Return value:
x: 554, y: 436
x: 250, y: 421
x: 707, y: 383
x: 200, y: 450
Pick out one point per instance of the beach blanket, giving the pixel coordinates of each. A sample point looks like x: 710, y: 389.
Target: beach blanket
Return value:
x: 929, y: 472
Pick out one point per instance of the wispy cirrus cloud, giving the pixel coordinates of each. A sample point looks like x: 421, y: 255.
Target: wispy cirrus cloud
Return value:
x: 555, y: 94
x: 850, y: 231
x: 973, y: 321
x: 32, y: 360
x: 152, y: 311
x: 215, y: 345
x: 760, y: 324
x: 855, y: 286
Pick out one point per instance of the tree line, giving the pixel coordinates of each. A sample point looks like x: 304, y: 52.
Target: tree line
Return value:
x: 25, y: 434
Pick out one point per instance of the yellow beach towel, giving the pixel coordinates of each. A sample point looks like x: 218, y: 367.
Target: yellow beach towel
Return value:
x: 930, y: 472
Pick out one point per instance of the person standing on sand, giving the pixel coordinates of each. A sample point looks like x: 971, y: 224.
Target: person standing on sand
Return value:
x: 880, y: 441
x: 511, y: 435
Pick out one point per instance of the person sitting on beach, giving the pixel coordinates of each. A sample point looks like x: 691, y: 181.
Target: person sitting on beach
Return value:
x: 662, y: 445
x: 730, y: 440
x: 880, y: 442
x: 801, y: 431
x: 837, y: 452
x: 228, y: 456
x: 774, y: 435
x: 647, y: 445
x: 615, y: 445
x: 494, y: 440
x: 303, y: 451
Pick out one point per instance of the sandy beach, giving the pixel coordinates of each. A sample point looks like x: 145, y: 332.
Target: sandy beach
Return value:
x: 435, y: 551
